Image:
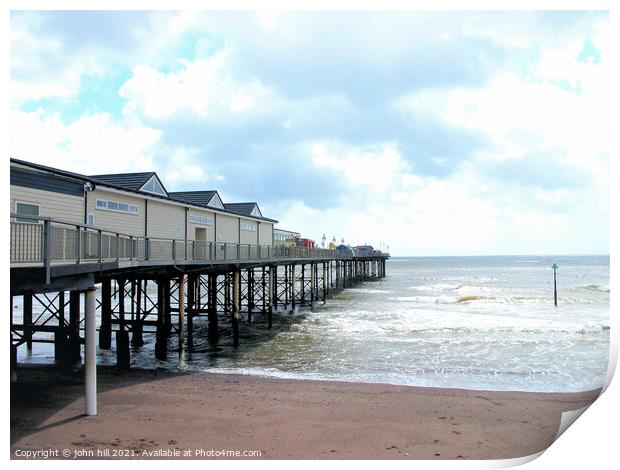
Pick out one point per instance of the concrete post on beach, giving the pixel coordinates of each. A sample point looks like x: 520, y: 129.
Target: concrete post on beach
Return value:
x: 235, y: 307
x: 90, y: 352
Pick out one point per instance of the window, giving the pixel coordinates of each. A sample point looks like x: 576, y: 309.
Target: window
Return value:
x: 248, y: 227
x: 116, y: 206
x: 153, y: 186
x: 27, y: 209
x: 200, y: 219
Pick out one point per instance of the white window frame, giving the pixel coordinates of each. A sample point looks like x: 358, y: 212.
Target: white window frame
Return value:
x: 106, y: 208
x: 27, y: 221
x: 200, y: 219
x: 248, y: 227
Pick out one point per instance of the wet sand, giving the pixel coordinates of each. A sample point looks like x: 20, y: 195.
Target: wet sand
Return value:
x: 157, y: 413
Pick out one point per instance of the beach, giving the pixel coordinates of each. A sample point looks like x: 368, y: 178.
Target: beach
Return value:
x: 162, y: 413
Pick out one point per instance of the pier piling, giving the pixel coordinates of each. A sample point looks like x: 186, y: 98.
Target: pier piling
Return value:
x: 181, y: 295
x: 27, y: 316
x: 161, y: 335
x: 213, y: 331
x: 105, y: 330
x: 235, y: 307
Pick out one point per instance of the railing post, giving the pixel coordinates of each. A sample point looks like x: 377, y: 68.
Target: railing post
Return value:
x: 100, y: 248
x: 211, y: 251
x: 131, y: 249
x: 78, y: 245
x: 118, y: 246
x: 146, y: 248
x: 239, y: 251
x: 174, y: 251
x: 225, y: 250
x: 47, y: 250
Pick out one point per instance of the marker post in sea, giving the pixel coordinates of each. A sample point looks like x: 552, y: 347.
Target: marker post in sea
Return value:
x: 555, y: 285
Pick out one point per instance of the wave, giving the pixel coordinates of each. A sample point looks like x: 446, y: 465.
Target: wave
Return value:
x: 596, y: 287
x: 469, y: 298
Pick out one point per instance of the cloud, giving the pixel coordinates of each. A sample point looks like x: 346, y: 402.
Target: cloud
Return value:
x: 434, y: 132
x: 90, y: 145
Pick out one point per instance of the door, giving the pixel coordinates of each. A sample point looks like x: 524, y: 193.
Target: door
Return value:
x: 201, y: 248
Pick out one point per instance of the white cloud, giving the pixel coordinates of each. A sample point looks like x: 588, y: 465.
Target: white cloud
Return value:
x: 374, y: 167
x: 92, y: 144
x: 204, y: 87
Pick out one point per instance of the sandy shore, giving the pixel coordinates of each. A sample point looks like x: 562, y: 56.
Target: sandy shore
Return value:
x: 157, y: 413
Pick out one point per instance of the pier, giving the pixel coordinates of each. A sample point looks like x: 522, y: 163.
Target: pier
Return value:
x: 155, y: 286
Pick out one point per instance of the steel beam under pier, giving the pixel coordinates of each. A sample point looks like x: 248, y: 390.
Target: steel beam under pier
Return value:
x: 137, y: 302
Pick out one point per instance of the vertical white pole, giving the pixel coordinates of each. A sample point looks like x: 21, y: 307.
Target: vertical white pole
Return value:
x: 90, y: 354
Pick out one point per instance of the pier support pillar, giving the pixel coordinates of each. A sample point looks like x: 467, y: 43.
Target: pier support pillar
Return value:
x: 71, y: 355
x: 324, y: 282
x: 250, y: 291
x: 214, y: 331
x: 90, y: 352
x: 235, y: 307
x: 105, y: 330
x: 312, y: 284
x: 136, y: 327
x: 122, y: 335
x: 161, y: 346
x: 293, y: 286
x: 167, y: 309
x: 60, y: 335
x: 192, y: 282
x: 272, y: 296
x: 13, y: 362
x: 181, y: 295
x: 27, y: 310
x: 122, y: 349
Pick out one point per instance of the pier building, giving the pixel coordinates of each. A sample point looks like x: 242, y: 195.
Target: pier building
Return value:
x: 102, y: 260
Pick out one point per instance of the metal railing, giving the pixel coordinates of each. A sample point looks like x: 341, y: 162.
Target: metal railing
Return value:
x: 44, y: 241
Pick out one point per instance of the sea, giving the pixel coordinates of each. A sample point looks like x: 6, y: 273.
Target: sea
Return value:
x: 483, y: 323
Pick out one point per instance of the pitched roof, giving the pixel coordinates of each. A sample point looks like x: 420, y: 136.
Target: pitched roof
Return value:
x: 200, y: 198
x: 131, y: 181
x: 243, y: 208
x: 134, y: 181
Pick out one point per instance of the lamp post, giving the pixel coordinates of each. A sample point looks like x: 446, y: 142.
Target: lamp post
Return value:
x: 555, y: 285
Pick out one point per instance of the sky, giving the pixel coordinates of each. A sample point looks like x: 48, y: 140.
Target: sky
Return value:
x: 433, y: 133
